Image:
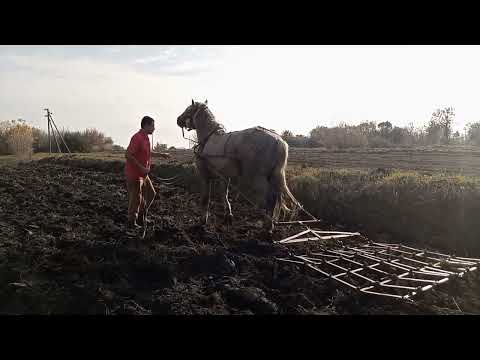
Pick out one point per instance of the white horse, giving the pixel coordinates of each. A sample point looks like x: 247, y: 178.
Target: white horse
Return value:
x: 254, y: 153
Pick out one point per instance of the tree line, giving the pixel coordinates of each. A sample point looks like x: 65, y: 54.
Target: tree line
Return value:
x: 19, y: 138
x: 438, y: 131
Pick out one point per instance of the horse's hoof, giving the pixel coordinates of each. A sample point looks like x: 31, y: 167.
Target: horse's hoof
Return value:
x: 198, y: 227
x: 228, y: 220
x: 202, y: 221
x: 200, y: 224
x: 267, y: 236
x: 268, y: 228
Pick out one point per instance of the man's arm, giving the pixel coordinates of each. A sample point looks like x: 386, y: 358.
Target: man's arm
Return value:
x: 130, y: 157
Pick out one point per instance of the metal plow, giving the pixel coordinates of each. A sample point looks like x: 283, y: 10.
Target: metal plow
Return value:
x: 381, y: 269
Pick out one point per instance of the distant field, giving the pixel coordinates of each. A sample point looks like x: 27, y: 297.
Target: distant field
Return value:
x: 459, y: 160
x: 452, y: 159
x: 455, y: 160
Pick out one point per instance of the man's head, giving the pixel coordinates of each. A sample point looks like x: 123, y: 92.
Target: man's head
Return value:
x: 148, y: 124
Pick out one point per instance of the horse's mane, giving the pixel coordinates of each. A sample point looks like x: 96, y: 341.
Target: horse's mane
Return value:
x: 211, y: 118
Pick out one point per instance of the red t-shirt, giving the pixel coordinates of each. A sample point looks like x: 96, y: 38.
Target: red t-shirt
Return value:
x: 139, y: 147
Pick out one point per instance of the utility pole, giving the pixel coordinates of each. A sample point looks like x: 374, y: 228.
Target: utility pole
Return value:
x: 49, y: 139
x: 59, y: 134
x: 50, y: 122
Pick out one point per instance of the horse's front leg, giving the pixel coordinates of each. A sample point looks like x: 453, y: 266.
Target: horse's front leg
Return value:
x: 228, y: 207
x: 205, y: 196
x: 205, y: 189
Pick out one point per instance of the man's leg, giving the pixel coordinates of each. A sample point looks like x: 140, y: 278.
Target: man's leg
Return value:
x: 134, y: 199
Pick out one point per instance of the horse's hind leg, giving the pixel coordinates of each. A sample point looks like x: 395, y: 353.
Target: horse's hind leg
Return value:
x: 271, y: 200
x: 264, y: 197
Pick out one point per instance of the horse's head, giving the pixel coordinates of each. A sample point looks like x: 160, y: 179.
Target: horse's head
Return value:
x: 189, y: 116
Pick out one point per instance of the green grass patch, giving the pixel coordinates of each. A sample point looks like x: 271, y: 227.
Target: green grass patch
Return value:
x: 437, y: 210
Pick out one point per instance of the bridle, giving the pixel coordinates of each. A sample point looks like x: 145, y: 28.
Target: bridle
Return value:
x: 197, y: 149
x: 189, y: 121
x: 192, y: 119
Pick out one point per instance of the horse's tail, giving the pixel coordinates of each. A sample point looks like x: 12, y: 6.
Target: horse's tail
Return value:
x: 284, y: 198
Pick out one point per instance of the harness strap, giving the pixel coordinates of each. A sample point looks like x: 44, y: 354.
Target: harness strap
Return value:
x: 201, y: 144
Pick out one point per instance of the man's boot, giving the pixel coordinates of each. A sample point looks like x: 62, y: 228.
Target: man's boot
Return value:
x: 133, y: 225
x: 142, y: 220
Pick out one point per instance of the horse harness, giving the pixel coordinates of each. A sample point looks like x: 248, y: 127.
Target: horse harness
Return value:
x: 198, y: 149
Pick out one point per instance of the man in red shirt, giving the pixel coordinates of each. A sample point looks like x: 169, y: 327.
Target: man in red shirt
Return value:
x: 140, y: 188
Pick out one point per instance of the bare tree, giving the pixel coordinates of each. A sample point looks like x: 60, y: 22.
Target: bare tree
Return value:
x: 440, y: 125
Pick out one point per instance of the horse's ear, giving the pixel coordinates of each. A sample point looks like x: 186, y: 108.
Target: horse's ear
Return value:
x: 206, y: 102
x: 193, y: 102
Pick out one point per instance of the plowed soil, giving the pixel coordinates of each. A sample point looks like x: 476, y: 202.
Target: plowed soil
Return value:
x: 64, y: 249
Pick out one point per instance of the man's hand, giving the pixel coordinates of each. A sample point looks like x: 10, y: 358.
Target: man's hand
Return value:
x: 145, y: 170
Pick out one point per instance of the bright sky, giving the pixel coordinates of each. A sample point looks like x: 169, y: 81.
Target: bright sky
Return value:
x: 279, y: 87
